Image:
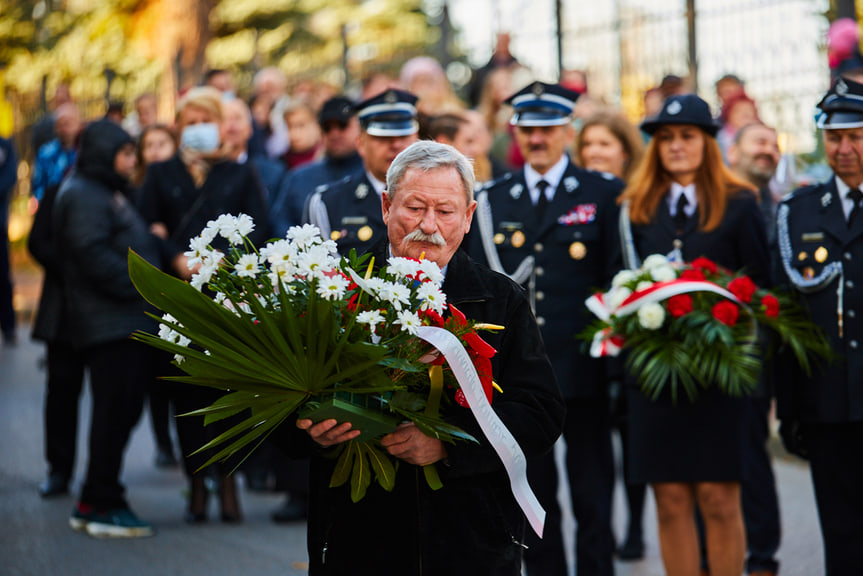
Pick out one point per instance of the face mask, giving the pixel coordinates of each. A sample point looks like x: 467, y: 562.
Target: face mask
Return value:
x: 201, y: 137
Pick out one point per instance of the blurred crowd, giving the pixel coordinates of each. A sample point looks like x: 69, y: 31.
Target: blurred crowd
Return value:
x: 286, y: 154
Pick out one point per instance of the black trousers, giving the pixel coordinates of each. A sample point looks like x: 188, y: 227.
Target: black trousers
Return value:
x: 836, y: 462
x: 119, y: 375
x: 758, y: 491
x: 7, y: 312
x: 590, y: 470
x: 65, y: 378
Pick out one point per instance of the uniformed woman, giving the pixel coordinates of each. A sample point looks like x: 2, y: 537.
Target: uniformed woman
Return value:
x: 683, y: 202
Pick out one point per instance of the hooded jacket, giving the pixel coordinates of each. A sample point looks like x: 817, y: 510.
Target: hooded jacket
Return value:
x: 95, y: 225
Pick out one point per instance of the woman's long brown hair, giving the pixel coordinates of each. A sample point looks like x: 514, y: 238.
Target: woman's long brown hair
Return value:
x: 714, y: 184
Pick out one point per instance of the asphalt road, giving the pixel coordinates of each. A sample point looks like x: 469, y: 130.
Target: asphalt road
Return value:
x: 35, y: 539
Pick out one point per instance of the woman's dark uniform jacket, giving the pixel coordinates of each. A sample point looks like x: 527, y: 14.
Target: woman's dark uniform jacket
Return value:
x: 700, y: 441
x: 472, y: 526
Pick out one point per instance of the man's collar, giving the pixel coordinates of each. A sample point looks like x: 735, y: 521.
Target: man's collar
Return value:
x: 376, y: 184
x: 553, y: 175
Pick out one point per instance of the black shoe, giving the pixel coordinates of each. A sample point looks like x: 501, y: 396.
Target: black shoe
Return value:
x: 54, y: 485
x: 632, y: 549
x: 165, y: 458
x: 293, y: 510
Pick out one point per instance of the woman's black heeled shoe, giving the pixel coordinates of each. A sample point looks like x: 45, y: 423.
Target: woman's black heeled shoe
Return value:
x: 229, y: 501
x: 196, y: 513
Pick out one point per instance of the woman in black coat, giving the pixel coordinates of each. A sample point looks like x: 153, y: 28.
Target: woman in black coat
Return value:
x: 685, y: 203
x: 178, y: 198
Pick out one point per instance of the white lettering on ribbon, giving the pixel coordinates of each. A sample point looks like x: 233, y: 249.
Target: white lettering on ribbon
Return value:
x: 497, y: 434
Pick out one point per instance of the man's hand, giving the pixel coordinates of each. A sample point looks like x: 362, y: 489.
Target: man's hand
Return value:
x: 411, y: 445
x: 328, y: 432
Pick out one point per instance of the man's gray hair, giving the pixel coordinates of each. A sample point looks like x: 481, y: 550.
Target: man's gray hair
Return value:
x: 427, y: 155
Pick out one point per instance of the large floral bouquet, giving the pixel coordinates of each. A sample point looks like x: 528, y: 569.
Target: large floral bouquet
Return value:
x: 294, y: 327
x: 696, y: 325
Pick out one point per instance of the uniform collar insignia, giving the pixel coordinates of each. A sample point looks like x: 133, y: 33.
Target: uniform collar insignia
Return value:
x: 516, y: 191
x: 362, y: 191
x: 826, y: 199
x: 570, y: 183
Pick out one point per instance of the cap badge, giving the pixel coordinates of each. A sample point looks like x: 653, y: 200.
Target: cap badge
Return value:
x: 538, y: 89
x: 362, y: 191
x: 841, y: 87
x: 516, y: 191
x: 570, y: 183
x: 826, y: 199
x: 674, y: 108
x: 390, y: 97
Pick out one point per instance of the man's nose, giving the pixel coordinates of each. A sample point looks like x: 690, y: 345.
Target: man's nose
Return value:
x: 428, y: 224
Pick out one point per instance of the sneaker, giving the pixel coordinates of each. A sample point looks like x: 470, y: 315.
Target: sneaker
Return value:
x: 115, y: 523
x: 80, y: 516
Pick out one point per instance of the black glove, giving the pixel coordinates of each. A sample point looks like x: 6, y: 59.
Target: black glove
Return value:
x: 791, y: 432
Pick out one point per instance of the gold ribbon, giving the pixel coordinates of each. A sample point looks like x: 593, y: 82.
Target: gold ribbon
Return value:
x: 432, y: 408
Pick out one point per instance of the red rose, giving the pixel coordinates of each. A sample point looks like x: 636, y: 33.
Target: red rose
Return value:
x: 743, y: 288
x: 726, y: 312
x: 692, y: 274
x: 680, y: 305
x: 705, y: 265
x: 771, y: 305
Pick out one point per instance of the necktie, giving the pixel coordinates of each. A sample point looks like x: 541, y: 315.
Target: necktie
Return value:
x: 680, y: 216
x: 855, y: 195
x: 542, y: 201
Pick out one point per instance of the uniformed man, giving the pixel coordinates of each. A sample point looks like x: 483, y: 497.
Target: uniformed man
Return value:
x: 349, y: 211
x: 340, y: 130
x: 553, y: 228
x: 820, y: 237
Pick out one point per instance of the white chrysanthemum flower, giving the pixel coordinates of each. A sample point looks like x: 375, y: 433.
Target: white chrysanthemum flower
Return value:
x: 617, y: 295
x: 183, y: 341
x: 283, y: 271
x: 623, y: 277
x: 166, y: 331
x: 315, y: 259
x: 227, y: 225
x: 370, y: 317
x: 279, y: 251
x: 199, y: 280
x: 375, y: 286
x: 409, y: 322
x: 402, y: 267
x: 209, y: 233
x: 303, y: 236
x: 654, y: 261
x: 332, y: 287
x: 431, y: 297
x: 245, y: 224
x: 431, y: 271
x: 247, y: 266
x: 396, y: 294
x: 331, y: 247
x: 179, y: 359
x: 651, y: 316
x: 643, y: 285
x: 206, y: 271
x: 199, y: 248
x: 663, y: 273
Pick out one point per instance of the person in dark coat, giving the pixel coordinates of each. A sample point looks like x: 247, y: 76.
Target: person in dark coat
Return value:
x: 552, y: 227
x: 64, y: 364
x: 340, y: 129
x: 95, y: 225
x: 820, y: 236
x: 8, y: 178
x: 685, y: 203
x: 472, y: 525
x: 177, y: 199
x: 349, y: 211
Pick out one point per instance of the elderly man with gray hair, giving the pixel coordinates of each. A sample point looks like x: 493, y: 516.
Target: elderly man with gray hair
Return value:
x: 473, y: 524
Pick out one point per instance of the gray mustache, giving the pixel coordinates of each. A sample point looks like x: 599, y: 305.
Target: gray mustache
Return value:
x: 420, y: 236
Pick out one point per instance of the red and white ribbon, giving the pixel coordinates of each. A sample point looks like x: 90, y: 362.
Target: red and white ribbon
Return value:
x: 497, y: 434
